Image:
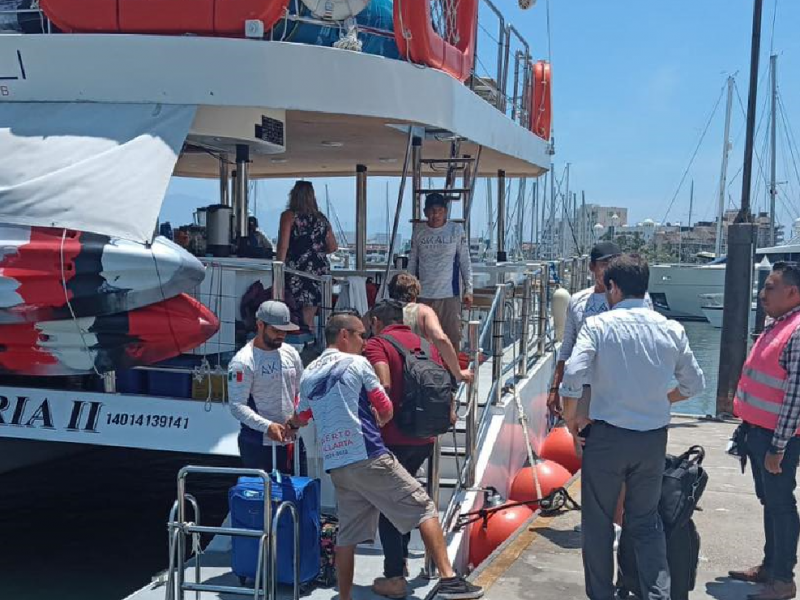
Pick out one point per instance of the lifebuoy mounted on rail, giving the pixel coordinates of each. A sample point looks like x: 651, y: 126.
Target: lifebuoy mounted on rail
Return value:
x: 541, y: 109
x: 418, y: 41
x: 169, y: 17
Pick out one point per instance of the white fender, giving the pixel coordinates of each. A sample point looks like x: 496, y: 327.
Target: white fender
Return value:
x: 558, y: 308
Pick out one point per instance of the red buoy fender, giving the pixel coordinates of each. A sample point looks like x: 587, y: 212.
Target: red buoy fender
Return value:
x: 551, y: 477
x: 559, y: 446
x: 486, y: 535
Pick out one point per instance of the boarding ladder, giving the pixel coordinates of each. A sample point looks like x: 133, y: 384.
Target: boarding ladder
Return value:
x: 181, y: 530
x: 450, y: 167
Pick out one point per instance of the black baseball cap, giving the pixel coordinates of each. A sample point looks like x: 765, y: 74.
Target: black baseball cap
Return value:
x: 435, y: 199
x: 604, y: 251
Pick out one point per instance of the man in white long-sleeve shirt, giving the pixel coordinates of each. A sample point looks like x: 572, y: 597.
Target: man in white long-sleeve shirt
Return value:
x: 582, y: 305
x: 440, y: 259
x: 629, y: 356
x: 263, y: 387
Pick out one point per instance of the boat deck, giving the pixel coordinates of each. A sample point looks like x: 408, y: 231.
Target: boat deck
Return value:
x: 544, y: 560
x: 216, y: 558
x: 216, y: 570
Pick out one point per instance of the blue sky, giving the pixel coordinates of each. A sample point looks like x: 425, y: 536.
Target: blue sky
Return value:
x: 634, y: 84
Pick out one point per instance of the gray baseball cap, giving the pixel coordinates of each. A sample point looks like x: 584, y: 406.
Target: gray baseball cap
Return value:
x: 276, y: 314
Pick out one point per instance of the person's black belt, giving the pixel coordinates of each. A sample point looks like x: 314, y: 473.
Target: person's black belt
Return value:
x: 606, y: 423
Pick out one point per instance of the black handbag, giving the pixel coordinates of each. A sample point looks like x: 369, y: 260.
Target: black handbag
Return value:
x: 682, y: 486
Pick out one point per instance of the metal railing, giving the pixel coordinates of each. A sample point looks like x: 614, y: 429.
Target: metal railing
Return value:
x: 534, y: 340
x: 490, y: 73
x: 180, y: 528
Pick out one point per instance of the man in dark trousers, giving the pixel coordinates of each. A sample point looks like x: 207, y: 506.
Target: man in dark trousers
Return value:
x: 768, y: 402
x: 387, y: 320
x: 629, y: 356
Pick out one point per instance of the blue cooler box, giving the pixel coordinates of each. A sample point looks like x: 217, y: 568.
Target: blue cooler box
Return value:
x: 246, y: 503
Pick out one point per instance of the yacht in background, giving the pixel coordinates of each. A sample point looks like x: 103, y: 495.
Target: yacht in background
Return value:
x: 712, y: 305
x: 676, y: 289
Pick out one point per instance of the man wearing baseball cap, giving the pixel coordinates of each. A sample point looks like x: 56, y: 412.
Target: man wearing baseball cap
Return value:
x: 263, y: 385
x: 586, y: 303
x: 440, y: 259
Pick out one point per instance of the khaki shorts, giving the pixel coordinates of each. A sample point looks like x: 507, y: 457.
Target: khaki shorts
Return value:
x: 369, y: 488
x: 449, y: 312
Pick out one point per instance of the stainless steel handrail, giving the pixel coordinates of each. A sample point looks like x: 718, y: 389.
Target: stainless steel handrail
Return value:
x: 498, y: 337
x: 179, y: 528
x: 432, y: 486
x: 286, y: 505
x: 476, y: 424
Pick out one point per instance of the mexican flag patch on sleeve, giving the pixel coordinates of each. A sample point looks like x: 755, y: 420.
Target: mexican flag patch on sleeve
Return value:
x: 237, y: 376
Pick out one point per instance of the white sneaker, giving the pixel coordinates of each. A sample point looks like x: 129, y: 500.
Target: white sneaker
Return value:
x: 617, y: 535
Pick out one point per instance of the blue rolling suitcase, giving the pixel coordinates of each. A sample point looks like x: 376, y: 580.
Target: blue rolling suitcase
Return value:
x: 246, y: 503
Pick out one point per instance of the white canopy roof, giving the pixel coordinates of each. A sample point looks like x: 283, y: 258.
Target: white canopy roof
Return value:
x: 89, y: 166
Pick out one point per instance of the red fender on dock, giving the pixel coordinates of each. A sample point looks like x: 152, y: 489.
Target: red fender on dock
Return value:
x: 559, y: 446
x: 417, y: 40
x: 484, y: 538
x: 551, y: 477
x: 170, y: 17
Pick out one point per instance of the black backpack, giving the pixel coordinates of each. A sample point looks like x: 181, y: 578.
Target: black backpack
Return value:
x: 427, y: 393
x: 683, y: 483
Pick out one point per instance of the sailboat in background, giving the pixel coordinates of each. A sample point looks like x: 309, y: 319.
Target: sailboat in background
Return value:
x: 696, y: 292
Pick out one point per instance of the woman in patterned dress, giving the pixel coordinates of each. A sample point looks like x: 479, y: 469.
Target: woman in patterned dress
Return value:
x: 305, y: 239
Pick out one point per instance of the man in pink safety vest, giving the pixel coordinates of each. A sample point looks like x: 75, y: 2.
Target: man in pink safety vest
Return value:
x: 768, y: 402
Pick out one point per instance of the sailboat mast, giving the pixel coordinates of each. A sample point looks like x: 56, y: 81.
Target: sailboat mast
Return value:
x: 534, y: 216
x: 584, y: 225
x: 327, y: 202
x: 552, y: 224
x: 490, y: 213
x: 388, y: 230
x: 726, y: 146
x: 773, y: 189
x: 543, y: 226
x: 565, y: 217
x: 521, y: 191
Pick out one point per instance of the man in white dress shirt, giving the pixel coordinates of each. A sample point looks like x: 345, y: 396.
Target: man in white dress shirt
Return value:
x: 582, y: 305
x: 629, y: 356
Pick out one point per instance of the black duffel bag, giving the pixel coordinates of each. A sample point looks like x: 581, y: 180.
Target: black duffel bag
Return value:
x: 682, y: 486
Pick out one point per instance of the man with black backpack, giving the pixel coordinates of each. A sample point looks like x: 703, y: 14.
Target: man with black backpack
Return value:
x: 416, y: 381
x: 341, y: 392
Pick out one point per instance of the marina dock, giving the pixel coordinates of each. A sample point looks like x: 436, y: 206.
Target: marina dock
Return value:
x: 543, y: 560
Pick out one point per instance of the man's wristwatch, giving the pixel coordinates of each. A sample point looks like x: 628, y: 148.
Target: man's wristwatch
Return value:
x: 773, y: 449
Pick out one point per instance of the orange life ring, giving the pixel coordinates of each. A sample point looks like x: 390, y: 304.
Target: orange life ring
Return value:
x: 201, y: 17
x: 417, y: 40
x: 540, y: 108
